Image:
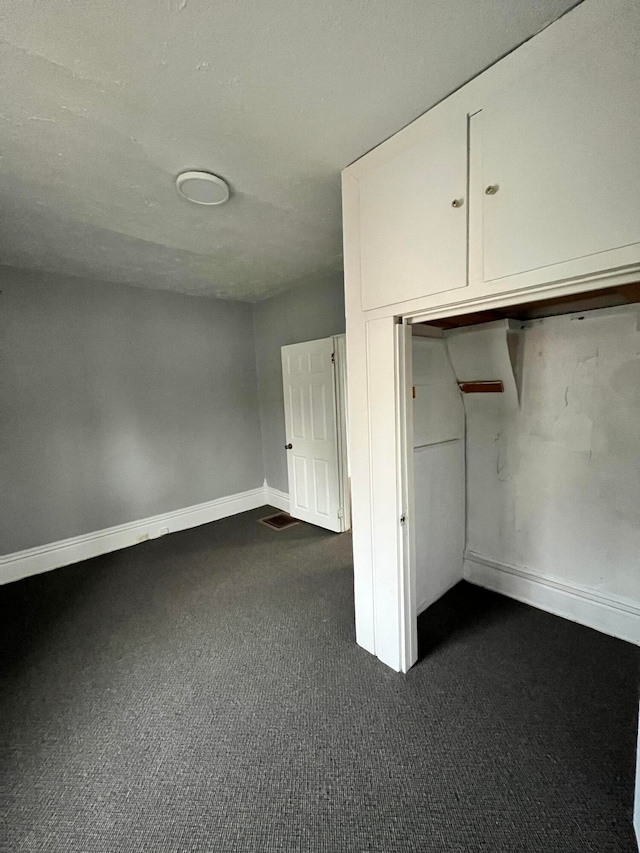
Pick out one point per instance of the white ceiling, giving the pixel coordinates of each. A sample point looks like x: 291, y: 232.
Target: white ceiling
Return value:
x: 104, y: 101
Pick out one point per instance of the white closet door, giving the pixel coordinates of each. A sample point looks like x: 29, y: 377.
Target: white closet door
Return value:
x: 439, y: 471
x: 560, y: 152
x: 311, y: 432
x: 413, y: 241
x: 439, y: 483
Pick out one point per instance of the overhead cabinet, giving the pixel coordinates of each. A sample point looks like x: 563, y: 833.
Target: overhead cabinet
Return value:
x: 555, y: 165
x: 413, y: 220
x: 529, y: 180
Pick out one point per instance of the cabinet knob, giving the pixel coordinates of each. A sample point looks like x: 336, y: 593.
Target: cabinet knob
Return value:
x: 492, y: 189
x: 457, y: 202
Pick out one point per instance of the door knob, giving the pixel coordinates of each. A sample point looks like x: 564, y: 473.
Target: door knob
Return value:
x: 288, y: 447
x: 492, y: 189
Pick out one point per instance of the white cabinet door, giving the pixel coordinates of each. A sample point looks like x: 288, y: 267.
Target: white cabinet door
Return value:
x: 311, y: 432
x: 560, y: 148
x: 413, y: 238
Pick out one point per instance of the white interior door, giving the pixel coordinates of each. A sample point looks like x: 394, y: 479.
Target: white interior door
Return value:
x: 308, y: 375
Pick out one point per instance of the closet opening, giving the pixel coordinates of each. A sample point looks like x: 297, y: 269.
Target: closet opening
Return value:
x: 523, y: 441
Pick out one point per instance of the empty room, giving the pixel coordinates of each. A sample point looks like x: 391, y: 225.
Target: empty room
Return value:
x: 320, y: 426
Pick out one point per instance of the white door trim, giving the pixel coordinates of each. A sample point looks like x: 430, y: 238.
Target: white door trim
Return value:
x: 342, y: 414
x: 636, y: 803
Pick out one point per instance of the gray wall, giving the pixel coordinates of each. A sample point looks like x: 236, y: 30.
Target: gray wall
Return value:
x: 307, y: 313
x: 119, y: 403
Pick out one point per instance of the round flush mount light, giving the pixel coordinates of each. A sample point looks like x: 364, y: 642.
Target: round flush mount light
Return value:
x: 202, y: 188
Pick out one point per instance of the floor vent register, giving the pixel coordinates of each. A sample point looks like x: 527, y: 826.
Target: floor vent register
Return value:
x: 279, y: 521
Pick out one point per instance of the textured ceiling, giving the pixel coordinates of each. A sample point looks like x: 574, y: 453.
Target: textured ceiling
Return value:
x: 105, y: 101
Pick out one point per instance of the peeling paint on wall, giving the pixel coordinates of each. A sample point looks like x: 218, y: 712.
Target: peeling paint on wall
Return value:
x: 554, y: 486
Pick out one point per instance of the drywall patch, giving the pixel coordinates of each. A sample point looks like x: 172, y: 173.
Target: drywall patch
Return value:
x: 625, y: 381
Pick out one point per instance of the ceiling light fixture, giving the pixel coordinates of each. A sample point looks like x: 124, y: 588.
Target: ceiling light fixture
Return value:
x: 202, y: 188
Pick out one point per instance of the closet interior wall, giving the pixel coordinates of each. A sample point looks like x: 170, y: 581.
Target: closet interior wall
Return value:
x: 550, y: 467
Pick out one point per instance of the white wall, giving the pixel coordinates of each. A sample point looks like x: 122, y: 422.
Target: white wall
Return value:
x: 554, y: 486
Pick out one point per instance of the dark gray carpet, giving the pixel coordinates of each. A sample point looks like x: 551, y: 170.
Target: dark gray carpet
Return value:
x: 203, y: 692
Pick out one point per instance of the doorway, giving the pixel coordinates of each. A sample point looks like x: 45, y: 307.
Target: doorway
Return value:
x: 542, y: 397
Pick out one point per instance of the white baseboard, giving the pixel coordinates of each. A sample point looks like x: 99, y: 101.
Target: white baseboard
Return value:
x: 21, y: 564
x: 608, y: 613
x: 274, y: 497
